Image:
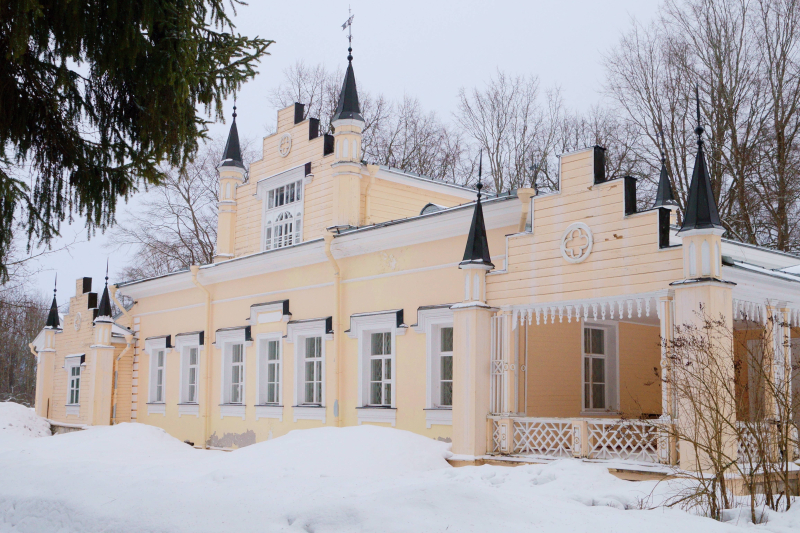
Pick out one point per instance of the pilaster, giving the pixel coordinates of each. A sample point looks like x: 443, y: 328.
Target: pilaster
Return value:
x: 101, y: 372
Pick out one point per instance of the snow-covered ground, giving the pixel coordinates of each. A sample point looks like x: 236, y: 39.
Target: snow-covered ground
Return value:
x: 133, y: 477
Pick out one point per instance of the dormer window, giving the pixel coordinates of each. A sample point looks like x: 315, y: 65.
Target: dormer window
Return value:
x: 283, y: 209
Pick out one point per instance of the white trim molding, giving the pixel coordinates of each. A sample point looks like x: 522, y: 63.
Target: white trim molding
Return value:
x: 269, y: 312
x: 438, y: 417
x: 156, y: 408
x: 234, y: 410
x: 269, y: 411
x: 309, y: 412
x: 73, y: 410
x: 362, y: 326
x: 384, y: 415
x: 188, y: 409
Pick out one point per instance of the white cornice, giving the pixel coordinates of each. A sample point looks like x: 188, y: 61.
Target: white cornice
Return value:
x: 428, y: 184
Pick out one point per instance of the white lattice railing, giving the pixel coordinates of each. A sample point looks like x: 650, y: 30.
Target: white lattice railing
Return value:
x: 748, y: 443
x: 551, y: 437
x: 625, y: 440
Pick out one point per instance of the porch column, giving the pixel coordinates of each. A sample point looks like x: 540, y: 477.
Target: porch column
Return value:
x: 777, y: 365
x: 45, y: 363
x: 667, y: 443
x: 472, y: 332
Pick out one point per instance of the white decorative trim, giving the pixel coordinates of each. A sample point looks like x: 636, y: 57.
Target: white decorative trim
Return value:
x: 73, y: 410
x: 270, y: 411
x: 630, y: 306
x: 398, y: 176
x: 438, y: 417
x: 235, y: 410
x: 283, y: 151
x: 304, y: 412
x: 307, y: 328
x: 377, y: 414
x: 374, y: 321
x: 182, y: 341
x: 157, y: 409
x: 573, y: 231
x: 267, y: 312
x: 433, y: 315
x: 188, y: 409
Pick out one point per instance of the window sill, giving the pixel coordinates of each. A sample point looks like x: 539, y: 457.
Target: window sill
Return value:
x: 74, y: 410
x: 601, y: 414
x: 269, y: 411
x: 376, y: 414
x: 231, y: 409
x: 188, y: 409
x: 156, y: 408
x: 309, y: 412
x: 439, y: 416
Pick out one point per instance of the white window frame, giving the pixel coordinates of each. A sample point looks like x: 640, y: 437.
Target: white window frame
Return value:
x: 263, y: 364
x: 152, y: 347
x: 362, y: 326
x: 295, y: 209
x: 183, y: 345
x: 386, y: 362
x: 429, y: 323
x: 225, y: 340
x: 71, y: 362
x: 317, y: 381
x: 611, y: 366
x: 297, y: 332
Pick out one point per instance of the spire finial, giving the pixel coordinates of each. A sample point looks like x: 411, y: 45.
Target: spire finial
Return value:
x: 234, y: 106
x: 480, y: 175
x: 106, y: 271
x: 55, y: 286
x: 662, y: 147
x: 348, y: 25
x: 699, y: 129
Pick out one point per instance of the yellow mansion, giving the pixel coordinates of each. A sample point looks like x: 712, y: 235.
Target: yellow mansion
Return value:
x: 346, y: 293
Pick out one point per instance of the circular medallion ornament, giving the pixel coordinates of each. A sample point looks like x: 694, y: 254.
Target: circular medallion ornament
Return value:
x: 78, y: 319
x: 285, y: 144
x: 576, y: 243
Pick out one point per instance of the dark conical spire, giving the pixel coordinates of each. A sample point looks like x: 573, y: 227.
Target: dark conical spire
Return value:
x: 701, y: 206
x: 477, y: 251
x: 104, y: 310
x: 53, y: 321
x: 348, y: 99
x: 664, y: 196
x: 232, y: 156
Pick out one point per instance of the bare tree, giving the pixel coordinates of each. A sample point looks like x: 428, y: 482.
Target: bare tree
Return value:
x: 23, y: 314
x: 175, y: 226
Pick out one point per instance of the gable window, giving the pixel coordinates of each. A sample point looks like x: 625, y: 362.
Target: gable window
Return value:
x: 283, y: 213
x: 190, y: 362
x: 157, y: 359
x: 312, y: 371
x: 269, y: 357
x: 599, y: 368
x: 380, y: 387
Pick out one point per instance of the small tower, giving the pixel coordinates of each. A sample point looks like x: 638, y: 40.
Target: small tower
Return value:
x: 702, y: 229
x: 231, y: 174
x: 348, y: 125
x: 100, y: 364
x: 477, y: 260
x: 472, y: 334
x: 45, y: 360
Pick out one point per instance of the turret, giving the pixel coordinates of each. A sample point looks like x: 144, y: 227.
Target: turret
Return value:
x: 231, y: 174
x: 348, y: 124
x: 104, y: 318
x: 477, y: 261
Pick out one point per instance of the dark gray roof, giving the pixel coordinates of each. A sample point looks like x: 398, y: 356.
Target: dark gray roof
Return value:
x: 701, y: 206
x: 104, y: 309
x: 232, y: 155
x: 52, y: 319
x: 664, y: 196
x: 348, y: 99
x: 477, y: 251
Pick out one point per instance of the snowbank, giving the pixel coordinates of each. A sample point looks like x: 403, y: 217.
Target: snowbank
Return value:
x: 133, y: 477
x: 21, y: 421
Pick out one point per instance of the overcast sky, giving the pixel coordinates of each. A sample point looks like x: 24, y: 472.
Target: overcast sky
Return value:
x: 428, y: 49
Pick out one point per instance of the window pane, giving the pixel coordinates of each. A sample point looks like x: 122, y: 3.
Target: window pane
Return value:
x: 587, y: 340
x: 309, y: 393
x: 237, y: 353
x: 376, y: 372
x: 309, y: 371
x: 387, y: 369
x: 271, y: 199
x: 598, y: 370
x: 447, y: 340
x: 387, y: 394
x: 160, y: 358
x: 599, y: 396
x: 312, y: 347
x: 234, y: 394
x: 318, y: 398
x: 273, y: 350
x: 387, y: 343
x: 447, y: 393
x: 268, y: 238
x: 587, y: 375
x: 598, y: 345
x: 587, y: 398
x: 192, y: 376
x: 193, y: 356
x: 299, y: 193
x: 447, y: 367
x: 191, y: 393
x: 376, y: 344
x: 279, y: 193
x: 290, y: 193
x: 375, y: 393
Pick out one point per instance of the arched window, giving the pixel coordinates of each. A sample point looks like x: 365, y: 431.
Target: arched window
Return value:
x: 282, y: 230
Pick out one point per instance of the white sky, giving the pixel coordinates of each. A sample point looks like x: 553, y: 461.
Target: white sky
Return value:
x: 426, y: 49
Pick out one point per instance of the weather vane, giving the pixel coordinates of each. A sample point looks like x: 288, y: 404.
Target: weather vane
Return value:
x: 348, y: 25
